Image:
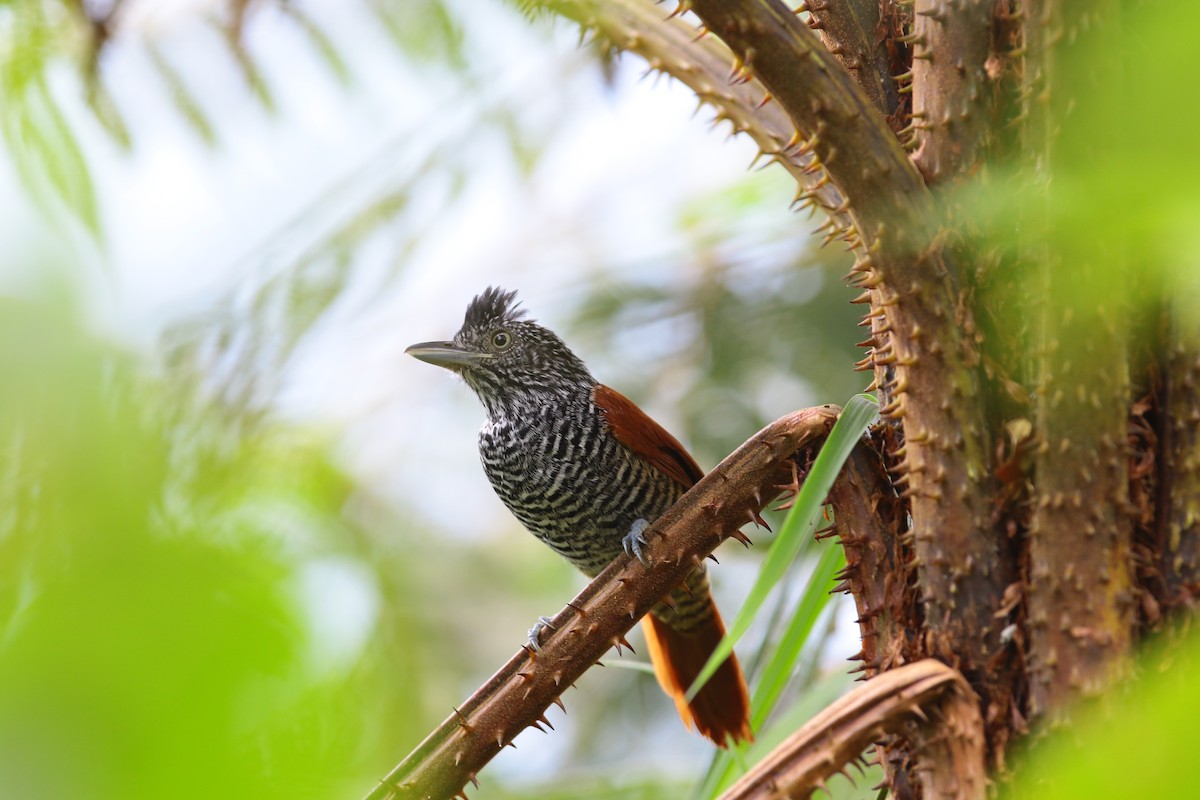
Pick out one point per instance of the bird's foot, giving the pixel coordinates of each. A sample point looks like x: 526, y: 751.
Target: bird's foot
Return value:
x: 634, y: 541
x: 535, y: 633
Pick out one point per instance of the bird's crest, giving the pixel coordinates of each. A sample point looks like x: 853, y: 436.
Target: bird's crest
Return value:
x: 494, y: 306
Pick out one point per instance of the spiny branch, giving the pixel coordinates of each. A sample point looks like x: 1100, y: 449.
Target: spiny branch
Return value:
x: 927, y: 703
x: 519, y: 694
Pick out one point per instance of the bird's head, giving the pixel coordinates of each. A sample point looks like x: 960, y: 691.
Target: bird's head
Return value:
x: 507, y: 359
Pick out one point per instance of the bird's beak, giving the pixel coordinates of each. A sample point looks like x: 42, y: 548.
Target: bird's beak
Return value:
x: 445, y: 354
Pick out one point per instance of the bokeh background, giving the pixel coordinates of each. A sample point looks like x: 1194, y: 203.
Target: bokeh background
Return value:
x: 246, y: 548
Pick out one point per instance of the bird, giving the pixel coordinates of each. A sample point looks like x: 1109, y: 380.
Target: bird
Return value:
x: 587, y: 471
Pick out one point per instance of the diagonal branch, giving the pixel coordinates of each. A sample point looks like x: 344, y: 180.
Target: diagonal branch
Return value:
x: 928, y: 703
x: 518, y: 695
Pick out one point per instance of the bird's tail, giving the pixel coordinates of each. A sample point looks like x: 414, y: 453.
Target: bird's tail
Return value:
x: 721, y: 709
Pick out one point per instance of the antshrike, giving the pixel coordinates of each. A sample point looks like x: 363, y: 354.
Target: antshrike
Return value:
x: 587, y: 471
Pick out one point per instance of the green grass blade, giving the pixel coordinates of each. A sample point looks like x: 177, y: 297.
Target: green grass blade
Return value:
x: 856, y: 416
x: 782, y: 664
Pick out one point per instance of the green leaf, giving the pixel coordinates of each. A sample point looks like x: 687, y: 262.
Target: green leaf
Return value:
x: 43, y: 148
x: 321, y: 41
x: 185, y: 102
x: 782, y: 663
x: 857, y: 415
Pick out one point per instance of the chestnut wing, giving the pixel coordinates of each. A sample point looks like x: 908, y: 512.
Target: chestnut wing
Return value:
x: 634, y: 429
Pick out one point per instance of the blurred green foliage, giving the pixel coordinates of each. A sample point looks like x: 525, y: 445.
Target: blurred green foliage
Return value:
x: 1134, y: 742
x: 155, y: 636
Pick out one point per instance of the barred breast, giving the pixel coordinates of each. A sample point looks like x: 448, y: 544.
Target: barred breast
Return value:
x: 569, y: 481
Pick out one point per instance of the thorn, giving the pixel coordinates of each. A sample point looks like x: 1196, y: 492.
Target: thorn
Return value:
x: 683, y: 7
x: 741, y: 537
x: 462, y: 721
x: 579, y: 609
x: 558, y: 702
x: 714, y: 558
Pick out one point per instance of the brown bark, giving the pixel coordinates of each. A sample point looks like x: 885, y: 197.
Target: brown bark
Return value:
x: 851, y: 32
x: 871, y: 523
x: 952, y: 98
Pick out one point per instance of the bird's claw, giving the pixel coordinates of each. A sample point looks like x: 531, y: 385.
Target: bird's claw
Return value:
x: 535, y: 633
x: 634, y: 541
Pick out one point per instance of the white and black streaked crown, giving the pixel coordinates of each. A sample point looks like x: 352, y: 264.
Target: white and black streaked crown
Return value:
x: 493, y: 307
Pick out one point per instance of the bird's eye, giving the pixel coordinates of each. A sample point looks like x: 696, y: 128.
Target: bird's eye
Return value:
x: 501, y: 339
